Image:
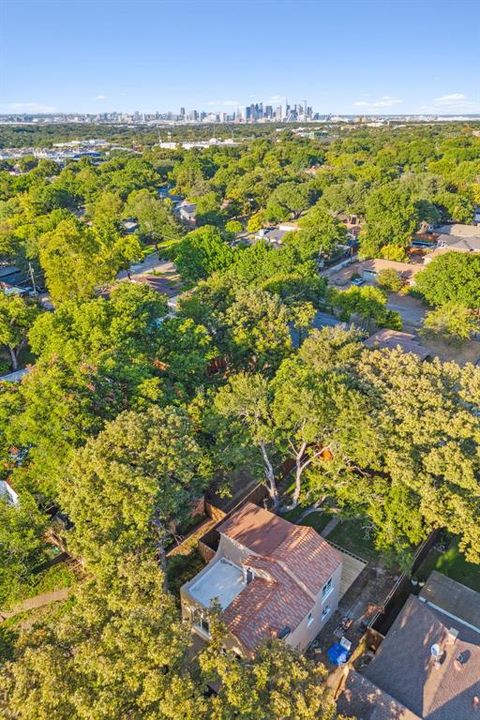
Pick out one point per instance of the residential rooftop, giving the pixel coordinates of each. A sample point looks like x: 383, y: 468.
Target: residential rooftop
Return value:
x: 389, y: 339
x: 223, y: 581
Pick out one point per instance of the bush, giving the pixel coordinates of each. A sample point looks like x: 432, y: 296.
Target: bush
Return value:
x: 452, y: 323
x: 390, y: 280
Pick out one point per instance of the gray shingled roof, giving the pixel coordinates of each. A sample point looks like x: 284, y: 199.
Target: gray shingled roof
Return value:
x: 404, y: 668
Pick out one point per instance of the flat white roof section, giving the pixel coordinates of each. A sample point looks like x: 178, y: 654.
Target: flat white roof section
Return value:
x: 223, y: 581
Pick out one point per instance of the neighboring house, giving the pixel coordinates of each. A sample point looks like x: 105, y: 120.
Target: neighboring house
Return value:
x: 389, y: 339
x: 8, y: 493
x: 10, y: 290
x: 458, y: 230
x: 130, y: 225
x: 370, y: 268
x: 454, y: 243
x: 271, y: 579
x: 187, y: 212
x: 275, y: 235
x: 428, y: 665
x: 15, y: 376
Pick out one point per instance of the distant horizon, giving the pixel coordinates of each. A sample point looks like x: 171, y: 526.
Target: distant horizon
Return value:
x: 331, y: 114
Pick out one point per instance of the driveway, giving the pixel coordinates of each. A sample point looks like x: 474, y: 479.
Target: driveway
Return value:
x: 151, y: 263
x: 412, y: 311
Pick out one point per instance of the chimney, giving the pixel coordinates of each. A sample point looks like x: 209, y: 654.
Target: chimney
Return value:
x: 452, y: 635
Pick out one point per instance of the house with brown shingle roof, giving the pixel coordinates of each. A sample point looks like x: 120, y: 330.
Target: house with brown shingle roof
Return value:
x: 428, y: 665
x: 271, y: 579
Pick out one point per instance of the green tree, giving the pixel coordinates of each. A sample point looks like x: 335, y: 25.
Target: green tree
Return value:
x: 77, y: 260
x: 93, y: 361
x: 22, y: 547
x: 258, y: 329
x: 77, y: 664
x: 16, y: 318
x: 155, y: 217
x: 451, y: 322
x: 289, y: 199
x: 313, y: 396
x: 320, y: 234
x: 243, y: 419
x: 368, y: 303
x: 127, y: 484
x: 233, y: 227
x: 201, y: 252
x: 452, y: 277
x: 279, y: 683
x: 391, y: 219
x: 390, y: 280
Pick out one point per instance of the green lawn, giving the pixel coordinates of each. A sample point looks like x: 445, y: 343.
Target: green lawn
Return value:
x: 317, y: 520
x: 453, y: 564
x: 351, y: 535
x: 181, y: 568
x: 55, y: 578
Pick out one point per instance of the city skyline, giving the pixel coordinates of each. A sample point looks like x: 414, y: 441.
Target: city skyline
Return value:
x: 352, y: 58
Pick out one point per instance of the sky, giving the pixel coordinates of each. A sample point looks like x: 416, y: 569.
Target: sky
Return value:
x: 342, y: 56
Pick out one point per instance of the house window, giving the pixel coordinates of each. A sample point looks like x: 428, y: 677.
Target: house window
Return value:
x: 325, y: 612
x: 309, y: 619
x: 200, y: 621
x: 203, y: 625
x: 327, y: 589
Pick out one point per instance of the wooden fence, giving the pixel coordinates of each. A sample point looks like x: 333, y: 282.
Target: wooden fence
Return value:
x: 402, y: 586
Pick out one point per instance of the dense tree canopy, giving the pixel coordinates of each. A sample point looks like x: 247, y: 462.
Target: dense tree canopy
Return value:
x: 452, y: 277
x: 129, y: 412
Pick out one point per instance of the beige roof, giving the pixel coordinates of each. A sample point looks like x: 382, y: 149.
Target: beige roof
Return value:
x: 390, y: 339
x: 459, y: 229
x: 376, y: 265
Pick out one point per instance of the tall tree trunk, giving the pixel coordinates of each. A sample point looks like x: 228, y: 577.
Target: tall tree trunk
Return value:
x: 13, y: 356
x: 160, y: 537
x: 298, y: 475
x: 300, y: 466
x: 270, y: 478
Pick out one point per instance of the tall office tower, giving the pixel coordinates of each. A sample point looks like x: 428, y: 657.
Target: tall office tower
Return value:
x: 278, y: 112
x: 182, y: 112
x: 248, y: 113
x: 269, y: 112
x: 195, y: 115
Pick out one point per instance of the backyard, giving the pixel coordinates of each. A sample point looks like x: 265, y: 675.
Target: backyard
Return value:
x: 453, y: 564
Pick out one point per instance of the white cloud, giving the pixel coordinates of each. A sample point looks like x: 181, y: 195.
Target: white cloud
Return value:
x: 452, y: 103
x: 385, y: 101
x: 277, y: 98
x: 102, y: 97
x: 449, y: 99
x: 26, y: 107
x: 223, y: 103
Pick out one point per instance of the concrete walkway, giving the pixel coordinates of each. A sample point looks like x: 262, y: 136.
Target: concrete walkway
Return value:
x: 330, y: 527
x: 36, y: 602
